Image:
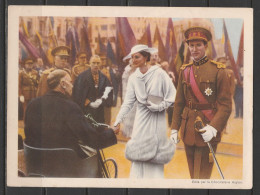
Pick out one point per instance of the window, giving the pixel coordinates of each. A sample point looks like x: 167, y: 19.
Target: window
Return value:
x: 103, y: 27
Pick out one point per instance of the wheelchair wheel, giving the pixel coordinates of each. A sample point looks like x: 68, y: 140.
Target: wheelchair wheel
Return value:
x: 111, y: 167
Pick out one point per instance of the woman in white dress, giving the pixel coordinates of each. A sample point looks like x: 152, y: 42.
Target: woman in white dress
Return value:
x: 149, y: 147
x: 128, y: 122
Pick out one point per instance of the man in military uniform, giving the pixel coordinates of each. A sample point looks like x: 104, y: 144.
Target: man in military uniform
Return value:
x: 80, y: 67
x: 203, y: 93
x: 92, y: 90
x: 28, y: 83
x: 61, y: 55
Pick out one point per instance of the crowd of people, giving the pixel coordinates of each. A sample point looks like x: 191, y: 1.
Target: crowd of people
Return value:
x: 55, y: 100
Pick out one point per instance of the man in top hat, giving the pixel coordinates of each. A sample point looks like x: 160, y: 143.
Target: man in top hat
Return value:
x: 203, y: 93
x: 80, y: 67
x: 28, y: 82
x: 61, y: 55
x: 93, y: 91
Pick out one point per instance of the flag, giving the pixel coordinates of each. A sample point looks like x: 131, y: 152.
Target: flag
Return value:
x: 101, y: 48
x: 110, y: 53
x: 157, y: 41
x: 229, y: 53
x: 125, y: 40
x: 51, y: 32
x: 24, y: 27
x: 240, y: 55
x: 146, y: 39
x: 85, y: 43
x: 72, y: 41
x: 23, y: 54
x: 29, y: 47
x: 211, y: 51
x: 187, y: 54
x: 178, y: 62
x: 171, y: 45
x: 45, y: 59
x: 126, y: 35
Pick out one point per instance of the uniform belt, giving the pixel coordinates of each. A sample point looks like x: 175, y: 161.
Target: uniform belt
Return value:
x: 198, y: 106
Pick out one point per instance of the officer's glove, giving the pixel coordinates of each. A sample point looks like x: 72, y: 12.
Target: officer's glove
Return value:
x: 22, y: 98
x: 96, y: 103
x: 174, y: 136
x: 209, y: 133
x: 106, y: 92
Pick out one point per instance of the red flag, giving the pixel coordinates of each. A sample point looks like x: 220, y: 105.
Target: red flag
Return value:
x: 229, y: 53
x: 171, y: 45
x: 125, y: 40
x: 240, y: 55
x: 146, y: 38
x: 30, y: 47
x: 171, y: 49
x: 85, y: 43
x: 126, y: 35
x: 157, y: 41
x: 101, y: 48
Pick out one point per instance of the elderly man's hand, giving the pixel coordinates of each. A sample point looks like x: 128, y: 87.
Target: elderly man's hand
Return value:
x: 116, y: 128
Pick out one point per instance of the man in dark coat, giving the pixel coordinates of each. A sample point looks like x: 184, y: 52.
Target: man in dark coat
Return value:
x: 55, y: 121
x: 92, y: 90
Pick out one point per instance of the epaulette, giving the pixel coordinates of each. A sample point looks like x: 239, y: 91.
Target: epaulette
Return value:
x: 219, y: 64
x: 48, y: 71
x: 185, y: 65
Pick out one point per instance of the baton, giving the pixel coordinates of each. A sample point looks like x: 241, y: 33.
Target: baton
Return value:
x: 198, y: 124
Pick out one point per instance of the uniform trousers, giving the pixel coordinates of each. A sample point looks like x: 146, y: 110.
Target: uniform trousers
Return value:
x: 146, y: 170
x: 199, y: 161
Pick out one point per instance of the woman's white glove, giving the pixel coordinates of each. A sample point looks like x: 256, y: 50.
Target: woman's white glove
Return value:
x: 209, y: 133
x: 174, y: 136
x: 96, y: 103
x: 22, y: 98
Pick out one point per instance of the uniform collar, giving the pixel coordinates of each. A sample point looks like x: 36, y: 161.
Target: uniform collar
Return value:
x: 201, y: 61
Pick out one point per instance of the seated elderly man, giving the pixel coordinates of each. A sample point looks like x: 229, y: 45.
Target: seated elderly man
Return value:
x: 55, y: 121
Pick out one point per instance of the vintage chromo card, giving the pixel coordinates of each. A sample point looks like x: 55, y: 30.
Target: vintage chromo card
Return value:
x: 128, y: 97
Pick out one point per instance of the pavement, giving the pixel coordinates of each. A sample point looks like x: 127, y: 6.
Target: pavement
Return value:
x: 229, y: 153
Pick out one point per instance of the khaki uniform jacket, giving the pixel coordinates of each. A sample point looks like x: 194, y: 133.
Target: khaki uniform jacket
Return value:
x: 77, y: 69
x: 43, y: 86
x: 208, y: 74
x: 28, y: 83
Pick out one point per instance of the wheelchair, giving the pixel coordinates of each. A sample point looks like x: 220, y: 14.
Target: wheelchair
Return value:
x: 54, y: 162
x: 109, y: 167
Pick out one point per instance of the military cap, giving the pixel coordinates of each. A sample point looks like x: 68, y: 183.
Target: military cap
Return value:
x: 28, y: 60
x: 197, y: 33
x: 60, y: 51
x: 81, y: 53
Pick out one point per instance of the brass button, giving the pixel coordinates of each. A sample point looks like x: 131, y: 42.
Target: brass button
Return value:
x: 198, y: 67
x: 196, y: 76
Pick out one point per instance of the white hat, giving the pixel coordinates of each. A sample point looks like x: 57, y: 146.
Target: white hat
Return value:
x: 138, y: 48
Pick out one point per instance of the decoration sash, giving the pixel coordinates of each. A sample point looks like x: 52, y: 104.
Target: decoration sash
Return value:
x: 196, y: 91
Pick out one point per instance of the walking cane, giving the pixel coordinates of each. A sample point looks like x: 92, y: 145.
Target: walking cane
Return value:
x: 198, y: 124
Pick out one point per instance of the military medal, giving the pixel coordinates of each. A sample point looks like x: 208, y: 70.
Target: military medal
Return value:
x: 208, y: 91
